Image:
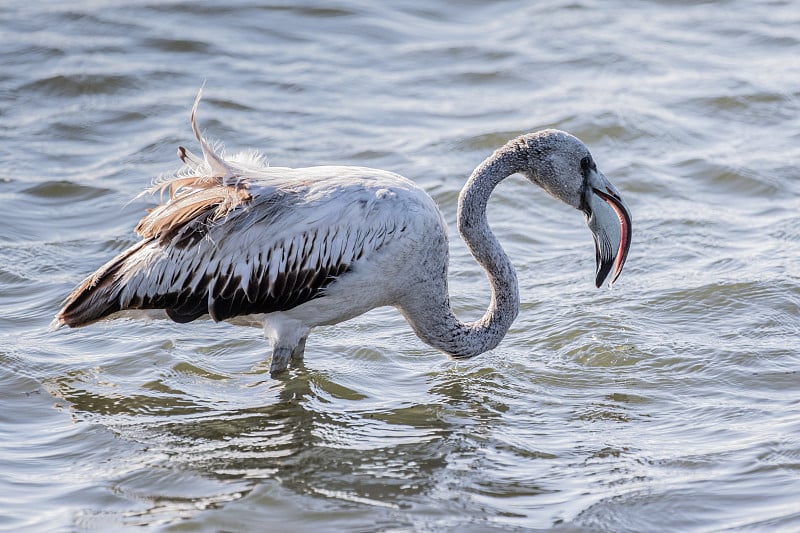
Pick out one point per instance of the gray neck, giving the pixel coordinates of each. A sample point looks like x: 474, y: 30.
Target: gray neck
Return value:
x: 441, y: 329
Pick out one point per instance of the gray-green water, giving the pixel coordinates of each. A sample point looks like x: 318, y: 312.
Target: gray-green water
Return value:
x: 670, y: 403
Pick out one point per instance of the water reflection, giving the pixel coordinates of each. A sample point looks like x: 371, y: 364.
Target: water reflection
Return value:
x: 315, y: 435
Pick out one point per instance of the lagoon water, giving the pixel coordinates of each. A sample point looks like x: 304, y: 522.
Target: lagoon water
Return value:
x: 669, y: 403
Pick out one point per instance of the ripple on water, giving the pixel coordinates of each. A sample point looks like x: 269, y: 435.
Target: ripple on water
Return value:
x: 61, y: 190
x: 722, y: 180
x: 73, y: 85
x: 182, y: 46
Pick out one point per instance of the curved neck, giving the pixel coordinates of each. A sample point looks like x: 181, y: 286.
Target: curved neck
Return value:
x: 440, y: 328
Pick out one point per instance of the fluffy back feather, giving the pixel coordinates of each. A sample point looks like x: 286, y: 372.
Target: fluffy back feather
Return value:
x: 200, y: 194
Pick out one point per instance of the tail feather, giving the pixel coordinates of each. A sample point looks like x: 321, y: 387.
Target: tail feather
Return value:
x: 97, y: 296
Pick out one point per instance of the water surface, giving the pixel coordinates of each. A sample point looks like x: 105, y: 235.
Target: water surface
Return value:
x: 669, y: 403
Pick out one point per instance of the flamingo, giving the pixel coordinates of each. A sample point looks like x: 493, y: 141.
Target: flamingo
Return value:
x: 292, y: 249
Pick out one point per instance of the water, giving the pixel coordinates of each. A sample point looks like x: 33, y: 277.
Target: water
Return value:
x: 669, y: 403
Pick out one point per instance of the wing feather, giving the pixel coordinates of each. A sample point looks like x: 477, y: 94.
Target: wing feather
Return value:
x: 238, y: 237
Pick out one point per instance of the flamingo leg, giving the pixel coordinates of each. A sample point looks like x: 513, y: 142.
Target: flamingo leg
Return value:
x: 280, y: 359
x: 299, y: 350
x: 282, y: 355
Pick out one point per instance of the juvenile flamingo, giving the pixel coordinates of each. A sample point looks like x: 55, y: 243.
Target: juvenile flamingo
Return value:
x: 293, y: 249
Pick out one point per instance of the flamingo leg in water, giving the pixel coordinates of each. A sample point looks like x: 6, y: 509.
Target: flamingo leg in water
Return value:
x: 282, y: 355
x: 299, y: 350
x: 280, y: 359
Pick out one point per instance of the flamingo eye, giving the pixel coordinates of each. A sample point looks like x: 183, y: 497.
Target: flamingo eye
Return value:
x: 587, y: 165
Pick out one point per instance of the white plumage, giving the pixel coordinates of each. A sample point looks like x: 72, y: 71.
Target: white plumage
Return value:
x: 298, y: 248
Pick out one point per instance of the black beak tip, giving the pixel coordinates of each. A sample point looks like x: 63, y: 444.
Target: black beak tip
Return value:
x: 603, y: 265
x: 603, y: 269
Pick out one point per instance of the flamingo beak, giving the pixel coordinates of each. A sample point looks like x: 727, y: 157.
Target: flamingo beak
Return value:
x: 610, y: 221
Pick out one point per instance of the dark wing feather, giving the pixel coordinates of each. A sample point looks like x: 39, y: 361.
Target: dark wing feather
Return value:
x: 89, y: 301
x: 223, y: 266
x: 220, y: 289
